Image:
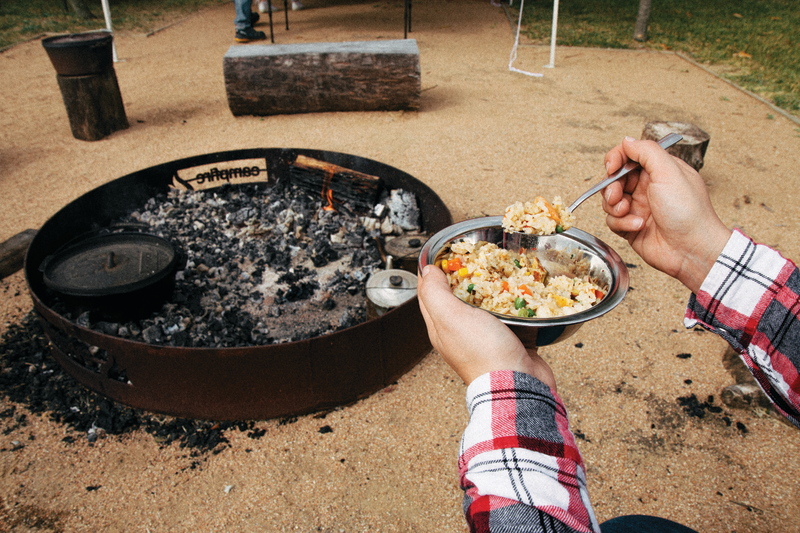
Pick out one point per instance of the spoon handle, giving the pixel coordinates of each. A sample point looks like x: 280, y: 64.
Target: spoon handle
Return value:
x: 665, y: 142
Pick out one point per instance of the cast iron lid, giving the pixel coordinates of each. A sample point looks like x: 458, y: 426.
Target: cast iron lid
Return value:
x: 105, y: 265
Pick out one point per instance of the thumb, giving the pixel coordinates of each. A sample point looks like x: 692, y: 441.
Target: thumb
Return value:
x: 434, y: 291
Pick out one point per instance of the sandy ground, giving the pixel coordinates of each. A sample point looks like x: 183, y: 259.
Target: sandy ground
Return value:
x: 483, y: 138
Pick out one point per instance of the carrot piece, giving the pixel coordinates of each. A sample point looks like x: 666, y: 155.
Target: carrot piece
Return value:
x: 525, y: 290
x: 550, y: 209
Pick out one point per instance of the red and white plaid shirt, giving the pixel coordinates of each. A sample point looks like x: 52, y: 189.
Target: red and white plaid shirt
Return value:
x: 520, y: 468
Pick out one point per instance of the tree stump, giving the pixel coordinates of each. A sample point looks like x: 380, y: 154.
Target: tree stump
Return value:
x: 94, y: 104
x: 318, y: 77
x: 691, y: 149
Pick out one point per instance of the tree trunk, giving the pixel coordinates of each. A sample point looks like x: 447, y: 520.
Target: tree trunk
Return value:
x: 81, y: 9
x: 640, y: 31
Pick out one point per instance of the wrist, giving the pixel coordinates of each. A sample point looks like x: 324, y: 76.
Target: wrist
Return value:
x: 698, y: 264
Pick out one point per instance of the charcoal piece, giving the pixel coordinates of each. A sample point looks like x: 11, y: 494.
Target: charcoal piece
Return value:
x: 330, y: 254
x: 181, y: 338
x: 319, y: 260
x: 301, y: 291
x: 153, y: 334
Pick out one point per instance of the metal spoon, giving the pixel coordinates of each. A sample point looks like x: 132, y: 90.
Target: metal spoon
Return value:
x: 551, y: 250
x: 665, y: 142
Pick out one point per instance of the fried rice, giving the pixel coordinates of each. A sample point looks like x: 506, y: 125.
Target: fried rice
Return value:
x: 509, y: 283
x: 538, y: 217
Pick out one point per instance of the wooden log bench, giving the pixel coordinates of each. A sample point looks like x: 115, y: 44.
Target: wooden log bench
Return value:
x: 318, y: 77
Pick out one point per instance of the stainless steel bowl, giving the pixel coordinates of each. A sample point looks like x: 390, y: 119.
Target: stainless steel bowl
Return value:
x: 605, y: 265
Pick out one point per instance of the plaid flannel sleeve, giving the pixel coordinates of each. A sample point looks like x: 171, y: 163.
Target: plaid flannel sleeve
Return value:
x: 750, y: 298
x: 520, y: 468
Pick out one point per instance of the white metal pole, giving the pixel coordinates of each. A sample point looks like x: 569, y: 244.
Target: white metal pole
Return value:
x: 107, y: 15
x: 552, y: 36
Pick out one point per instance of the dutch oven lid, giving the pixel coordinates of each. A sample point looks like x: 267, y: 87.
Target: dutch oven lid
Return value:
x: 105, y: 265
x: 391, y: 288
x: 406, y: 245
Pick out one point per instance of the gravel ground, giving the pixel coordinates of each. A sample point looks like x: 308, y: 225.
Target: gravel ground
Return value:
x: 483, y: 138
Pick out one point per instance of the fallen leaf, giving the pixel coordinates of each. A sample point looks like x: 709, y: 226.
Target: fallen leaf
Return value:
x: 743, y: 55
x: 737, y: 15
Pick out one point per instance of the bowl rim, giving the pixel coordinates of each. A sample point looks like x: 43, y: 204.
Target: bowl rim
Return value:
x: 618, y: 288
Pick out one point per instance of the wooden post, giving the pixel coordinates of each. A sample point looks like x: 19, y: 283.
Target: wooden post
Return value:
x: 12, y: 252
x: 691, y: 149
x: 94, y: 104
x: 317, y: 77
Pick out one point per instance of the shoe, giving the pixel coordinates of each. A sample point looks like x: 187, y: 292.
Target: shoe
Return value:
x: 249, y: 34
x: 254, y: 17
x: 264, y: 6
x: 297, y: 5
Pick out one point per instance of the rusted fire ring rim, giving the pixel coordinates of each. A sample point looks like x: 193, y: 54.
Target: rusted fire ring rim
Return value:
x: 245, y: 383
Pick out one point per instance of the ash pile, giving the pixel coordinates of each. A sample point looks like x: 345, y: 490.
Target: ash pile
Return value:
x: 263, y: 265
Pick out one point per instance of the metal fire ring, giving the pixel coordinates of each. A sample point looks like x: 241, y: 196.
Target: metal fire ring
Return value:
x: 244, y: 383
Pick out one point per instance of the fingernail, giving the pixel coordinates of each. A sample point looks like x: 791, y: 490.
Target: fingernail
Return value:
x: 629, y: 138
x: 608, y: 164
x: 638, y: 224
x: 426, y: 270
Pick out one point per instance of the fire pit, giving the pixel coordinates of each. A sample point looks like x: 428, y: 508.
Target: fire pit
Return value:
x: 270, y: 377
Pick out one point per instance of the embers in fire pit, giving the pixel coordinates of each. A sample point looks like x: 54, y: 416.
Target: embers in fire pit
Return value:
x: 263, y: 265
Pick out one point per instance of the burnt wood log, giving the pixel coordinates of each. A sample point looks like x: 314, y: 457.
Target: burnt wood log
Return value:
x: 355, y: 188
x: 318, y: 77
x: 94, y: 105
x: 691, y: 149
x: 12, y: 252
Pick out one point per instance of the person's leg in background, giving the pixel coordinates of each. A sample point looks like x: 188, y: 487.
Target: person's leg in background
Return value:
x: 244, y: 23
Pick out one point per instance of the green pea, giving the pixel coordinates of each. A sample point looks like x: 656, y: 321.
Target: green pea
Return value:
x: 519, y: 303
x: 559, y: 229
x: 471, y: 287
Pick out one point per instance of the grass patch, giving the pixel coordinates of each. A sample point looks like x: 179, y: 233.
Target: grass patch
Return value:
x: 22, y: 20
x: 753, y: 44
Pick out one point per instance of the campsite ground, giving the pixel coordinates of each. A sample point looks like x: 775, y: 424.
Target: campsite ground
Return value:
x: 483, y: 138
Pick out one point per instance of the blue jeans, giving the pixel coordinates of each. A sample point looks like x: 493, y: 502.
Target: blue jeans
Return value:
x: 242, y: 19
x: 642, y: 524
